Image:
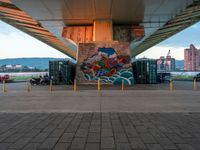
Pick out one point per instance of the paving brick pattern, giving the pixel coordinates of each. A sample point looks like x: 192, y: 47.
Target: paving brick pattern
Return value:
x: 99, y: 131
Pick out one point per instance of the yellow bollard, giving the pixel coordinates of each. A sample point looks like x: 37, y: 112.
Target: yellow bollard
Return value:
x: 99, y: 86
x: 50, y: 87
x: 4, y: 86
x: 75, y: 88
x: 122, y: 85
x: 171, y: 86
x: 195, y: 86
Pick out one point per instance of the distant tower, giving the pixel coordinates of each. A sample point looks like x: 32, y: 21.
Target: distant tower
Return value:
x: 192, y: 59
x: 166, y: 64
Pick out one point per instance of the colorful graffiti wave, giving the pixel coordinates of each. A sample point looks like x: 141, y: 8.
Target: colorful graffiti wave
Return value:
x: 109, y: 67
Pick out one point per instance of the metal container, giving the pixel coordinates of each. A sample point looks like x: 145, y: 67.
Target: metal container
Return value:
x: 61, y: 72
x: 145, y: 71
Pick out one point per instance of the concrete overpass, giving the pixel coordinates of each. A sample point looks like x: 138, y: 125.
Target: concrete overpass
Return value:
x: 102, y: 35
x: 160, y: 18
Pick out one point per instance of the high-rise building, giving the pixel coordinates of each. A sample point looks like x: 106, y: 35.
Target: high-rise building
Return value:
x: 169, y: 64
x: 192, y: 59
x: 161, y: 64
x: 166, y: 64
x: 173, y: 64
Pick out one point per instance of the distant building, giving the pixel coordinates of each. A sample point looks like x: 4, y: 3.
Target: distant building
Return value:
x: 8, y: 66
x: 31, y: 68
x: 17, y: 66
x: 166, y: 64
x: 170, y: 64
x: 161, y: 64
x: 192, y: 59
x: 173, y: 64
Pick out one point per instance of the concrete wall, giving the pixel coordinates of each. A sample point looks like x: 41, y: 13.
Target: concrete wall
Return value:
x: 109, y: 61
x: 127, y: 33
x: 78, y: 34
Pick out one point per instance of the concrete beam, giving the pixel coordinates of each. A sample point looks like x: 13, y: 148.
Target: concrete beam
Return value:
x: 181, y: 21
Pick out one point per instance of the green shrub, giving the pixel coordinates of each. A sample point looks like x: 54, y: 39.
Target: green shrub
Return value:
x: 183, y: 77
x: 23, y: 78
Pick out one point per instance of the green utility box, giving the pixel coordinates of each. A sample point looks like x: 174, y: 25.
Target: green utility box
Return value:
x: 145, y: 71
x: 62, y: 72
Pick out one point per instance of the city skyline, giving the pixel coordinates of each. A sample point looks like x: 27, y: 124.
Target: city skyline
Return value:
x: 24, y: 45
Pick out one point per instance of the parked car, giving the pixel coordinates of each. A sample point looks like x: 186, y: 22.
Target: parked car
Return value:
x: 4, y: 78
x: 197, y: 77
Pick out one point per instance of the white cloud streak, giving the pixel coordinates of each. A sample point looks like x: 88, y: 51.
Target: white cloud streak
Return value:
x: 17, y: 44
x: 157, y: 51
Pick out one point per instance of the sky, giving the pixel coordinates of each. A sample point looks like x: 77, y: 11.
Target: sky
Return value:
x: 17, y: 44
x: 176, y: 44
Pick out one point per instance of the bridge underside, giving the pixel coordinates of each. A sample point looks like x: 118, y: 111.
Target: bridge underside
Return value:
x: 14, y: 16
x: 64, y: 24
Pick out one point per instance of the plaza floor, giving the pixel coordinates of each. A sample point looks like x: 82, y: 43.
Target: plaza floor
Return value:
x: 95, y: 131
x: 136, y: 119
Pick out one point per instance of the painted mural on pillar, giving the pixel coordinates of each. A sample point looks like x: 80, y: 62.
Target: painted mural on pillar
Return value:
x: 109, y: 66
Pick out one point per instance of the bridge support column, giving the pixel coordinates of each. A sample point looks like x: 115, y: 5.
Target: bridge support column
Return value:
x: 103, y: 51
x: 103, y: 30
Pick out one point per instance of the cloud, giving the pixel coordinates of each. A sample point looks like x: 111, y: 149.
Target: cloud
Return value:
x: 157, y: 51
x: 14, y: 43
x: 176, y: 44
x: 194, y: 26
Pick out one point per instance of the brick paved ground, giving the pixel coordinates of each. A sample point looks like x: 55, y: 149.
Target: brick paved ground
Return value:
x: 105, y: 131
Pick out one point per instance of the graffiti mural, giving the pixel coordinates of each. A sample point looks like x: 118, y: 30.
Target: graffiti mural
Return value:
x: 108, y: 65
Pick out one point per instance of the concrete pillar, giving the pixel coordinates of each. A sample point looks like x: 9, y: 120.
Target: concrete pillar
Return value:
x: 103, y: 30
x: 78, y: 34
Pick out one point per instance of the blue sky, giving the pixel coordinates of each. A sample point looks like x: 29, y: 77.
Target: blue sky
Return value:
x: 15, y: 44
x: 176, y: 44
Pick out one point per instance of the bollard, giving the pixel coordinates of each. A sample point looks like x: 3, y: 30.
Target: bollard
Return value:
x: 171, y: 87
x: 50, y: 87
x: 122, y: 85
x: 4, y: 86
x: 195, y: 86
x: 75, y: 88
x: 27, y: 87
x: 99, y: 86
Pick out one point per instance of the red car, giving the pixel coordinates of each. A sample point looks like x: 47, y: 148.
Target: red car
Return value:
x: 5, y: 77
